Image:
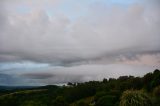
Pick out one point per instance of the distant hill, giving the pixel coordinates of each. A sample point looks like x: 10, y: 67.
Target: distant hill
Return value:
x: 16, y: 87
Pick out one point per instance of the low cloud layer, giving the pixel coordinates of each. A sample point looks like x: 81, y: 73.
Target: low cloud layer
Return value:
x: 106, y: 33
x: 84, y: 73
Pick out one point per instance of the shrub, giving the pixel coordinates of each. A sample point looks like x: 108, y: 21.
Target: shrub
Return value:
x: 99, y: 95
x: 156, y: 98
x: 107, y: 100
x: 82, y: 103
x: 32, y: 103
x: 156, y: 91
x: 60, y: 101
x: 135, y: 98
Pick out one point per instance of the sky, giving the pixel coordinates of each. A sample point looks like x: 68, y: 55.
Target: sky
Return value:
x: 58, y: 41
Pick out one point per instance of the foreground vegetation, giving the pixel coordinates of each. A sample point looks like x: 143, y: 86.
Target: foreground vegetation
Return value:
x: 123, y: 91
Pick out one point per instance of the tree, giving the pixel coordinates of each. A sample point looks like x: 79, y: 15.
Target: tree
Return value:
x: 156, y: 78
x: 105, y: 80
x: 135, y: 98
x: 70, y: 84
x: 147, y: 79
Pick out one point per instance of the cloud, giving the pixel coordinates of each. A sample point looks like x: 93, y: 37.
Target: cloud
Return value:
x: 84, y: 73
x: 5, y: 78
x: 58, y: 40
x: 21, y: 66
x: 42, y: 32
x: 80, y: 73
x: 38, y: 75
x: 151, y: 60
x: 9, y: 80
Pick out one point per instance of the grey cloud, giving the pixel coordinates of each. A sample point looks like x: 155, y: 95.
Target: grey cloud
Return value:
x: 90, y: 47
x: 57, y: 40
x: 7, y: 79
x: 84, y: 73
x: 38, y: 75
x: 3, y: 20
x: 8, y: 58
x: 16, y: 80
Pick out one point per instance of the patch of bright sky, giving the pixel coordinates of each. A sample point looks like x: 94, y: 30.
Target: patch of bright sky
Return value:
x: 71, y: 8
x: 22, y: 65
x: 74, y: 9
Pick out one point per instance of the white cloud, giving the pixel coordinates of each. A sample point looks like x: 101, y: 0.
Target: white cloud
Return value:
x: 105, y: 35
x: 37, y: 37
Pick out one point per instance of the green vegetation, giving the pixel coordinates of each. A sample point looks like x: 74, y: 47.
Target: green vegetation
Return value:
x: 60, y: 101
x: 135, y: 98
x: 123, y: 91
x: 107, y: 100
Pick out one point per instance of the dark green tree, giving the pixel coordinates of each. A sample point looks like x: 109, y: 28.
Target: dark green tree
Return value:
x: 147, y: 79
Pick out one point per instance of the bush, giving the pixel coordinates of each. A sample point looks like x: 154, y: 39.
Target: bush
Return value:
x: 32, y: 103
x: 82, y: 103
x: 60, y: 101
x: 156, y: 98
x: 135, y: 98
x: 107, y: 100
x: 156, y: 91
x: 99, y: 95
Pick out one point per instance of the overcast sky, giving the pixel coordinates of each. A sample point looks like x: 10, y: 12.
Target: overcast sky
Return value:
x: 57, y: 41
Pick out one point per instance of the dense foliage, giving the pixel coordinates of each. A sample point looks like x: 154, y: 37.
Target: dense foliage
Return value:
x: 135, y: 98
x: 123, y: 91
